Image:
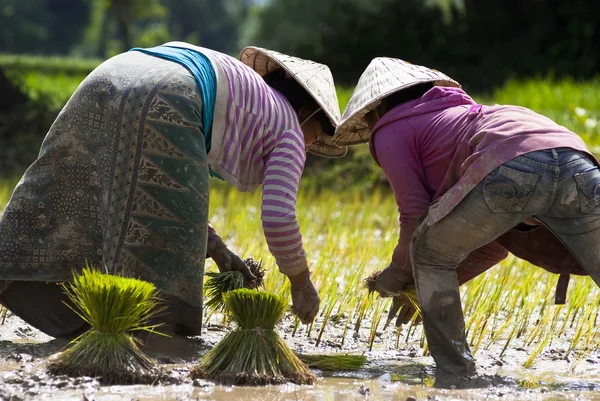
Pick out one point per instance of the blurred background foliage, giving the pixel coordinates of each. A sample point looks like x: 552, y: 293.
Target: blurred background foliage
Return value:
x: 537, y: 53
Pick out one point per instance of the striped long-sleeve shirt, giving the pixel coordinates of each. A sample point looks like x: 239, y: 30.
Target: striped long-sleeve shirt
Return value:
x: 257, y: 140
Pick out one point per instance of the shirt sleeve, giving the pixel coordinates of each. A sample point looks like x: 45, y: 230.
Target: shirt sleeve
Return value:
x: 283, y: 170
x: 398, y: 153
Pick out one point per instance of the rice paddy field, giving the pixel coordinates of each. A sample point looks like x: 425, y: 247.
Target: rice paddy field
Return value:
x: 526, y: 347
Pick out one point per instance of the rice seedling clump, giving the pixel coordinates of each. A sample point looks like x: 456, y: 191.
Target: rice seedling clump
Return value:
x: 410, y: 291
x: 253, y: 353
x: 258, y: 271
x: 114, y: 307
x: 221, y: 282
x: 334, y: 362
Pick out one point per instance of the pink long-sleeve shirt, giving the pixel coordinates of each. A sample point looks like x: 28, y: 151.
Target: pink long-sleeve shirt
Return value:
x: 444, y: 144
x: 257, y: 140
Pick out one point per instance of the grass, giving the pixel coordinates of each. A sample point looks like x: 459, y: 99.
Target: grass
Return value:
x: 115, y: 308
x: 219, y: 283
x: 56, y: 64
x: 334, y: 362
x: 253, y: 353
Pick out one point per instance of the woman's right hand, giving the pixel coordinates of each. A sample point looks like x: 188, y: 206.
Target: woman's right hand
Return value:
x: 391, y: 281
x: 227, y: 261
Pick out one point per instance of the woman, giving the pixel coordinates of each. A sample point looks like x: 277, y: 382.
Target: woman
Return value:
x: 121, y: 180
x: 471, y: 183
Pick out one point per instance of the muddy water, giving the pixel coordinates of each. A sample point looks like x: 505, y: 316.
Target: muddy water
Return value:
x: 398, y: 374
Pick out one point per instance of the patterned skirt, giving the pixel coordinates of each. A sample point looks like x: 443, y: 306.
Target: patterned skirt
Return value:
x: 121, y: 182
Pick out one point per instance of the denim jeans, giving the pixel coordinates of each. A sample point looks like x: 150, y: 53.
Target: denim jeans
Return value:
x: 558, y: 187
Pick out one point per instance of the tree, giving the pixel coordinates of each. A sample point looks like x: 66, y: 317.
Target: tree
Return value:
x: 41, y: 26
x: 129, y: 12
x: 347, y: 34
x: 211, y: 23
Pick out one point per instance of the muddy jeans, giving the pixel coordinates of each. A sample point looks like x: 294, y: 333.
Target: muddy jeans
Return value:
x: 559, y: 187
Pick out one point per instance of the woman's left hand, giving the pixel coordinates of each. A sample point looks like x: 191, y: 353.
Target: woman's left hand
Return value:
x: 305, y: 297
x: 403, y: 310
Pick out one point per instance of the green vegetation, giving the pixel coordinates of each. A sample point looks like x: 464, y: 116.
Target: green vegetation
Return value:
x: 576, y: 105
x: 34, y: 91
x: 47, y: 65
x: 253, y: 353
x: 349, y: 234
x: 334, y: 362
x: 115, y: 308
x: 218, y: 283
x: 352, y: 235
x: 459, y: 37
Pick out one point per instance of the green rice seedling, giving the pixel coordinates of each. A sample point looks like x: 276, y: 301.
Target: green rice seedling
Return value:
x: 410, y: 291
x: 529, y: 384
x: 334, y: 362
x: 549, y: 323
x: 582, y: 328
x: 511, y: 336
x: 326, y: 319
x: 375, y: 320
x: 115, y: 308
x: 361, y: 311
x: 4, y: 312
x: 253, y: 353
x: 221, y: 282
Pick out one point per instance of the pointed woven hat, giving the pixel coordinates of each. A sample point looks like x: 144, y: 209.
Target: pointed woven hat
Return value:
x: 382, y: 77
x: 314, y: 77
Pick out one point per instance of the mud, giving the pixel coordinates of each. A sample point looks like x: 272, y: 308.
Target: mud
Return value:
x: 392, y: 373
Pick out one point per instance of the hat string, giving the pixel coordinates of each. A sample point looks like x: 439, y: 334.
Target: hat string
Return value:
x: 310, y: 116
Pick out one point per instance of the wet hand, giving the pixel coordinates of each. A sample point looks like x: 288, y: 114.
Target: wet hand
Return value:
x: 391, y: 281
x: 403, y: 310
x: 227, y: 261
x: 305, y: 298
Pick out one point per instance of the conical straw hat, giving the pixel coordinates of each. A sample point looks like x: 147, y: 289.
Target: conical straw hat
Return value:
x: 383, y: 77
x: 314, y: 77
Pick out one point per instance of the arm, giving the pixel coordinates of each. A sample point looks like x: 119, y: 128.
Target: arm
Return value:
x: 283, y: 170
x: 223, y: 257
x: 398, y: 154
x: 214, y: 241
x: 280, y: 191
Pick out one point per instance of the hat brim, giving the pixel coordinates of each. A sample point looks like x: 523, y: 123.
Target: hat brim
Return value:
x: 264, y: 61
x: 273, y: 61
x: 354, y: 130
x: 325, y: 147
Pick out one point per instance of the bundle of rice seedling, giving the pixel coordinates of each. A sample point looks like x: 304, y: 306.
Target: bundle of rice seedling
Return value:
x: 220, y: 283
x: 253, y: 353
x: 410, y: 292
x: 258, y: 271
x: 334, y: 362
x: 114, y: 307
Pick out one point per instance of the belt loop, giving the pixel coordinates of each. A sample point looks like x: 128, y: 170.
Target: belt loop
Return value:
x: 554, y: 154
